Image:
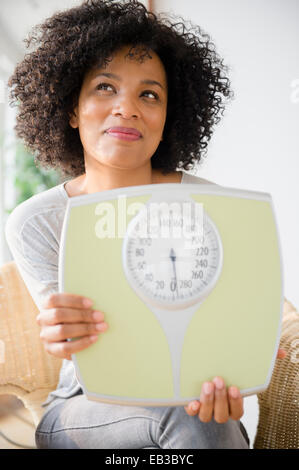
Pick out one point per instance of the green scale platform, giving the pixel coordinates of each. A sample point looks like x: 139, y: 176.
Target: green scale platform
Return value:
x: 179, y: 313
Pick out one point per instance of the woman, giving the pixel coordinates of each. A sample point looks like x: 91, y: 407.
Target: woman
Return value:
x: 113, y: 96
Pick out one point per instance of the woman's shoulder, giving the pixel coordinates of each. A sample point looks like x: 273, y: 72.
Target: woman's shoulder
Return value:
x: 32, y: 232
x: 44, y: 206
x: 178, y: 177
x: 193, y: 179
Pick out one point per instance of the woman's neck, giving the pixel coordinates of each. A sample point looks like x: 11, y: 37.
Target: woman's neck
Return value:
x: 89, y: 182
x: 111, y: 178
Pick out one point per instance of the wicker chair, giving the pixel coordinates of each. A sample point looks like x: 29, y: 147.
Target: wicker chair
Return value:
x: 26, y: 369
x: 278, y: 424
x: 30, y: 373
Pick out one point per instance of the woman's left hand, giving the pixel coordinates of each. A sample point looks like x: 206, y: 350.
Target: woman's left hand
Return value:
x: 218, y: 402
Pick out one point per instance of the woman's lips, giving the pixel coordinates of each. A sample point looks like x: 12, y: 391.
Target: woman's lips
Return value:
x: 124, y: 133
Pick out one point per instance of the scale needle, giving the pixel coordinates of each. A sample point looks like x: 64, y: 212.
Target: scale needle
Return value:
x: 173, y: 259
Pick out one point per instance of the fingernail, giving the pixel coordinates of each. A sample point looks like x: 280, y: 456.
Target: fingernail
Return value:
x: 98, y: 316
x: 93, y: 338
x: 87, y: 303
x: 207, y: 388
x: 234, y: 392
x: 194, y: 406
x: 218, y: 383
x: 101, y: 326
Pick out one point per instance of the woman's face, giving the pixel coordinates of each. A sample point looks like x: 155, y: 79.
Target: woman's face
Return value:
x: 121, y: 111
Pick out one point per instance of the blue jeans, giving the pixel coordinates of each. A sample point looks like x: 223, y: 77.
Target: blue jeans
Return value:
x: 77, y: 423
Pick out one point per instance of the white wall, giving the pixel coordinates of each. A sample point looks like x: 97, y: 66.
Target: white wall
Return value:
x: 256, y: 146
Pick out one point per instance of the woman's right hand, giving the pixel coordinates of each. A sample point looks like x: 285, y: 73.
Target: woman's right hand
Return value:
x: 66, y: 316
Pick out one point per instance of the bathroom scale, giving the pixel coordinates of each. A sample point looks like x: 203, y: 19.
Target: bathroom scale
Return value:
x: 189, y: 278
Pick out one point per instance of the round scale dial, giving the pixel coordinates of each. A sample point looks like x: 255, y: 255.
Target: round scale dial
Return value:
x: 172, y: 260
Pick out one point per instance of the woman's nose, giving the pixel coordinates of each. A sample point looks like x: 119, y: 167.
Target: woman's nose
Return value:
x: 126, y: 108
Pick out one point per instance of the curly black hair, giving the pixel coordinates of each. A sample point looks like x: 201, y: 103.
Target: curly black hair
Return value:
x: 46, y: 84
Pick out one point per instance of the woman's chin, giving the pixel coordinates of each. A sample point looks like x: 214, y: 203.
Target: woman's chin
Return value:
x: 121, y: 163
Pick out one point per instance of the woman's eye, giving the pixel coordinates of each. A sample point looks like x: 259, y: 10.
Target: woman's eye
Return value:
x: 104, y: 86
x: 151, y: 94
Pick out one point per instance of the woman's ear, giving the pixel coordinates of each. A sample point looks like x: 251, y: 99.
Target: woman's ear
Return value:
x: 73, y: 119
